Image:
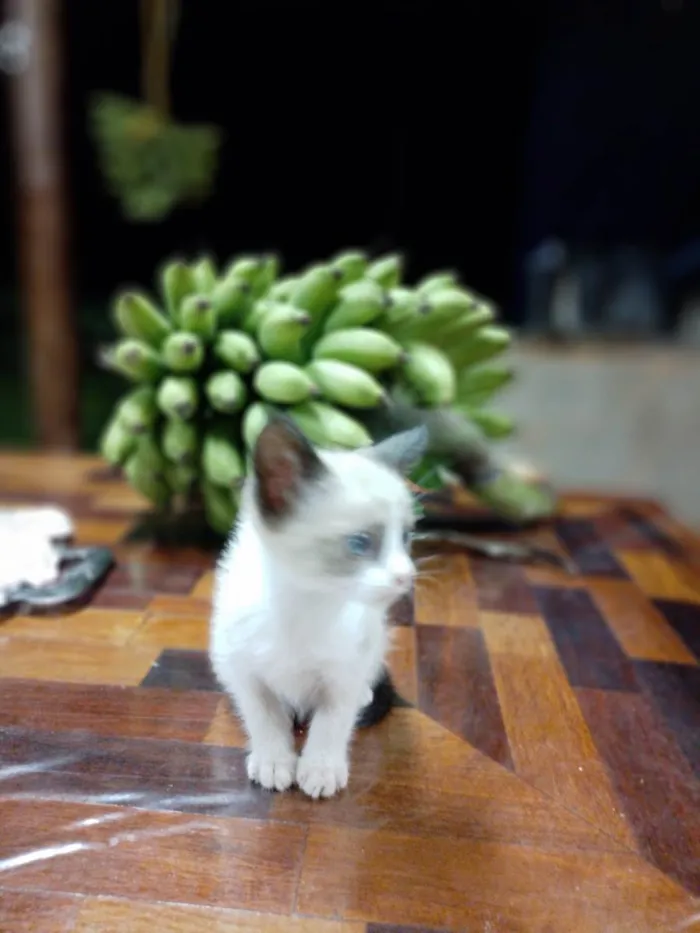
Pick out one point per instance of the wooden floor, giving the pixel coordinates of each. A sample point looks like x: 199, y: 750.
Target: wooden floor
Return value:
x: 541, y: 774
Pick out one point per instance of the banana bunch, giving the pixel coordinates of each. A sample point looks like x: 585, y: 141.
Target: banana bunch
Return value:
x: 221, y: 348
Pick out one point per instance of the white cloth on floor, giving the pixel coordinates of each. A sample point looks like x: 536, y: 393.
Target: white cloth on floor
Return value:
x: 28, y: 546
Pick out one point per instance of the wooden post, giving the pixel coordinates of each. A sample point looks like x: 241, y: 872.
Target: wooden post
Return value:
x: 42, y: 227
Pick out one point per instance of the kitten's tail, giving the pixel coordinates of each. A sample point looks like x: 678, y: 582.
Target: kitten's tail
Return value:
x: 384, y: 697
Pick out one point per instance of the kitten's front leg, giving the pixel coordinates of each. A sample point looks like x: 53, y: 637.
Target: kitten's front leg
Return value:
x: 323, y: 767
x: 272, y: 759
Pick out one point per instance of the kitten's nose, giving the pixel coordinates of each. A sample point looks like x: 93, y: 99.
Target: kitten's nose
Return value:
x: 402, y: 581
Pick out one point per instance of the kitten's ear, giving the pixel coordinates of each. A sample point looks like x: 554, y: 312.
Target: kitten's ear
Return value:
x: 402, y: 451
x: 283, y: 462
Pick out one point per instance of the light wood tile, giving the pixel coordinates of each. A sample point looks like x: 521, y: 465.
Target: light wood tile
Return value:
x: 660, y: 577
x: 109, y: 626
x: 204, y: 587
x: 74, y: 661
x: 445, y: 593
x: 402, y: 662
x: 638, y: 626
x: 226, y: 728
x: 161, y: 630
x: 549, y: 739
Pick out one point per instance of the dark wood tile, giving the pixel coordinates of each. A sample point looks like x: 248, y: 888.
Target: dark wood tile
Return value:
x: 139, y: 576
x: 456, y: 687
x: 684, y: 618
x: 675, y: 691
x: 392, y: 928
x: 109, y: 915
x: 657, y: 789
x: 587, y: 549
x: 402, y: 612
x: 145, y: 855
x: 182, y: 670
x: 410, y: 775
x: 34, y: 912
x: 657, y: 539
x: 418, y: 881
x: 104, y: 710
x: 109, y: 597
x: 501, y: 587
x: 146, y: 773
x: 589, y: 652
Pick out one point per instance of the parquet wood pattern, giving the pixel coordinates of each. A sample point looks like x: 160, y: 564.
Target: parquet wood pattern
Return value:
x: 541, y: 775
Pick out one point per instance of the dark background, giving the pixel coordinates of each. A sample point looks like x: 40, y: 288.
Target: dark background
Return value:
x: 459, y: 133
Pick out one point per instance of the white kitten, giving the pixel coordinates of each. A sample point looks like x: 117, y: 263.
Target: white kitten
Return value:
x: 299, y: 622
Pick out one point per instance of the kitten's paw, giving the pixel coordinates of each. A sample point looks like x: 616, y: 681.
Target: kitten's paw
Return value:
x: 273, y: 772
x: 323, y: 776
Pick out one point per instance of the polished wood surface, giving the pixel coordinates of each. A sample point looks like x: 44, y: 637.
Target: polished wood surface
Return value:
x: 540, y: 774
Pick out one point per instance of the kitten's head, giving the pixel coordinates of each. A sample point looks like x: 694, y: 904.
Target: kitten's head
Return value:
x: 337, y: 521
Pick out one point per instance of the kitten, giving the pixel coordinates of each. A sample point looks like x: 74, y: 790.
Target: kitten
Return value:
x: 302, y: 590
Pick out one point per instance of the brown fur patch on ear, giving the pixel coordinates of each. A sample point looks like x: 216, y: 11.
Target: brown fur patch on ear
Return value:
x: 284, y: 461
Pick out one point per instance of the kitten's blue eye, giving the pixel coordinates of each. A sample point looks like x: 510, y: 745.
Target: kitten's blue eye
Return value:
x: 407, y: 538
x: 360, y: 544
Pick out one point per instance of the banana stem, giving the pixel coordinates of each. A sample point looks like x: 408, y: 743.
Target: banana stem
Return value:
x: 459, y: 445
x: 158, y: 24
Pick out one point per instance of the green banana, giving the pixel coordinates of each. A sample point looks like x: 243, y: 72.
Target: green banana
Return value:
x: 220, y: 507
x: 177, y: 397
x: 447, y: 304
x: 237, y: 350
x: 365, y: 347
x: 136, y: 360
x: 226, y: 391
x: 198, y: 317
x: 481, y: 345
x: 494, y: 424
x: 436, y: 281
x: 281, y: 331
x: 387, y: 270
x: 477, y: 382
x: 145, y: 470
x: 359, y: 303
x: 244, y: 267
x: 222, y: 464
x: 283, y: 288
x: 255, y: 418
x: 351, y: 264
x: 283, y: 383
x: 137, y: 410
x: 183, y: 352
x: 179, y: 441
x: 405, y: 310
x: 231, y: 298
x: 451, y: 335
x: 116, y: 443
x: 257, y: 312
x: 316, y: 290
x: 346, y: 384
x: 204, y: 274
x: 176, y: 283
x: 136, y: 316
x: 327, y: 426
x: 180, y: 477
x: 268, y: 271
x: 430, y: 373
